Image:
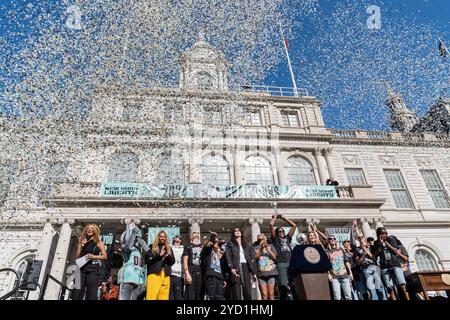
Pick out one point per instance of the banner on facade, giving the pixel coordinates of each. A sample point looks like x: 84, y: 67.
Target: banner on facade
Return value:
x: 171, y: 233
x: 341, y: 234
x: 201, y: 191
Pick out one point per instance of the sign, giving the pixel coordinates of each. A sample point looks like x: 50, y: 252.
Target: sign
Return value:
x: 171, y: 233
x: 108, y: 240
x: 202, y: 191
x: 341, y: 234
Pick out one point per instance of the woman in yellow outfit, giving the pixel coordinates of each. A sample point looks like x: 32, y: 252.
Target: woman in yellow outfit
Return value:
x: 159, y: 260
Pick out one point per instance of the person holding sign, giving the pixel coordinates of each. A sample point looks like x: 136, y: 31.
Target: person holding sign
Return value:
x: 159, y: 259
x: 282, y: 243
x: 90, y: 251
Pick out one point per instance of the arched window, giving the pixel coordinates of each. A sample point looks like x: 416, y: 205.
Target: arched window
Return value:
x: 170, y: 169
x: 425, y: 261
x: 300, y: 172
x: 258, y: 171
x: 123, y: 167
x: 216, y: 171
x: 204, y: 80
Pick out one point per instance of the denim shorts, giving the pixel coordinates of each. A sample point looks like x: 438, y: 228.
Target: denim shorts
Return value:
x: 267, y: 281
x: 393, y: 276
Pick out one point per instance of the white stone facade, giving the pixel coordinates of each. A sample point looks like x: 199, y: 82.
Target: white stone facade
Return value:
x: 284, y: 127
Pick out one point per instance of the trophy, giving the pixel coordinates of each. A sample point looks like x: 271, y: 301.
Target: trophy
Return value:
x: 275, y: 207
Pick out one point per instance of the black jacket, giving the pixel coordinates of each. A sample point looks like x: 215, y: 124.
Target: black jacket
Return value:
x: 233, y: 260
x: 395, y: 260
x: 206, y: 255
x: 155, y: 262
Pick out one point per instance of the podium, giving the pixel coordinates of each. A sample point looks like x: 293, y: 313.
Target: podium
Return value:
x: 308, y: 267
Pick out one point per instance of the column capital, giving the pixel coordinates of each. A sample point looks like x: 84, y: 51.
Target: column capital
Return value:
x: 327, y: 151
x: 380, y: 219
x: 366, y: 220
x: 195, y: 220
x: 255, y: 220
x: 49, y: 220
x: 315, y: 221
x: 65, y: 221
x: 133, y: 220
x: 317, y: 152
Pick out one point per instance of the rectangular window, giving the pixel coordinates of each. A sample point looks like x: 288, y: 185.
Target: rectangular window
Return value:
x: 435, y: 188
x: 173, y: 114
x: 131, y: 111
x: 355, y: 177
x: 397, y: 186
x: 212, y: 117
x: 289, y: 119
x: 252, y: 117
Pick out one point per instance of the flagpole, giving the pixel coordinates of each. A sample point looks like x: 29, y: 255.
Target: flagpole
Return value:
x: 289, y: 60
x: 444, y: 45
x: 124, y: 53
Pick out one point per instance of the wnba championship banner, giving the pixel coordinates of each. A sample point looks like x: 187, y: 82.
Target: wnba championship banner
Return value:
x: 201, y: 191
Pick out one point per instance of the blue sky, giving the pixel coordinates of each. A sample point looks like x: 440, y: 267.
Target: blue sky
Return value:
x: 339, y: 60
x: 404, y: 53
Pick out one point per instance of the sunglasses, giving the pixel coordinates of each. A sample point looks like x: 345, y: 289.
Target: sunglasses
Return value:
x: 331, y: 239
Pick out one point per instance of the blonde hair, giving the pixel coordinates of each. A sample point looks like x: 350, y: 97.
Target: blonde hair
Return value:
x: 95, y: 233
x: 261, y: 235
x: 155, y: 244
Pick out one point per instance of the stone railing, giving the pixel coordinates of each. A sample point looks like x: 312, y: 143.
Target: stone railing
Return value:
x: 344, y: 192
x: 390, y: 136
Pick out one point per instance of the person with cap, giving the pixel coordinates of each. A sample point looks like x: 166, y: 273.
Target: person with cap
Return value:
x: 282, y: 243
x: 392, y: 254
x: 176, y: 278
x: 213, y: 255
x: 193, y: 277
x: 340, y: 274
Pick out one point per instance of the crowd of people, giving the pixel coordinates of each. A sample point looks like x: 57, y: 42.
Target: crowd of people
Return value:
x: 219, y: 269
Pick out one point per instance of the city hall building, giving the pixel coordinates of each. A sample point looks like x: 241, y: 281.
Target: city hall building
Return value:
x: 209, y: 156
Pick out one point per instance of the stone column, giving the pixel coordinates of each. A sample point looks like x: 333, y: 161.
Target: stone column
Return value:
x: 194, y: 225
x: 239, y: 174
x: 42, y: 253
x: 327, y: 154
x: 367, y: 231
x: 59, y: 260
x: 282, y: 171
x: 254, y: 223
x: 322, y: 173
